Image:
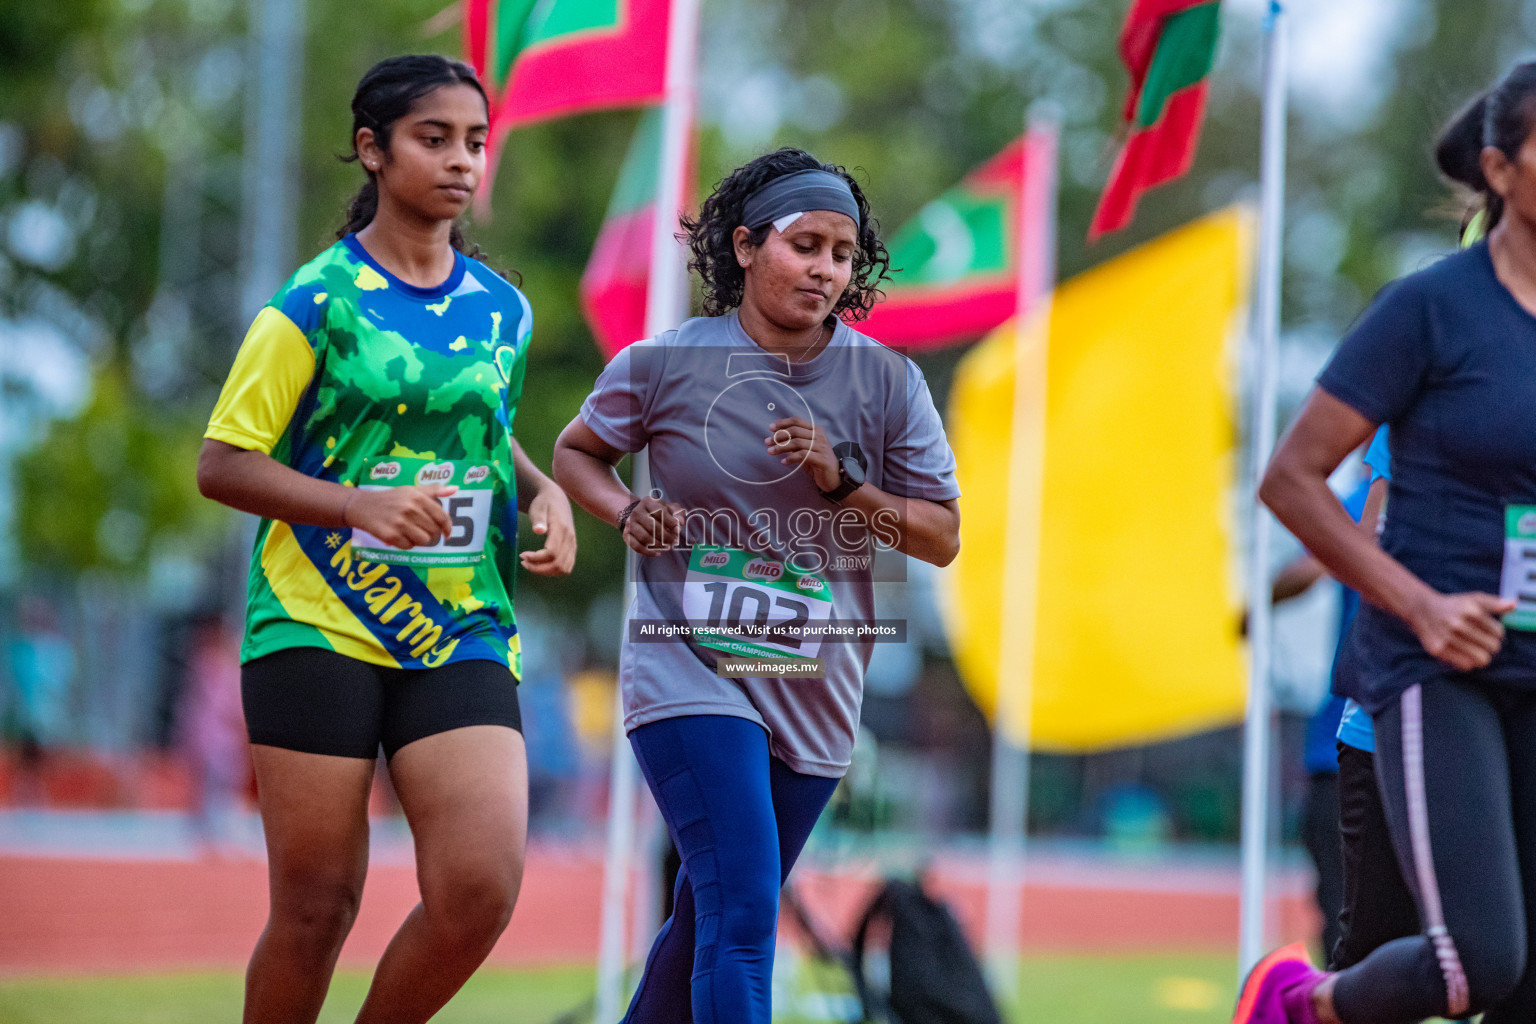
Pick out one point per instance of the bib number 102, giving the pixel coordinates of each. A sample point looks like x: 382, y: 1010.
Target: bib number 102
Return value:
x: 745, y: 607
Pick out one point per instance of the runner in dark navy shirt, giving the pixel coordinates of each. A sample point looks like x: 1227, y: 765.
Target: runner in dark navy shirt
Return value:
x: 1444, y: 663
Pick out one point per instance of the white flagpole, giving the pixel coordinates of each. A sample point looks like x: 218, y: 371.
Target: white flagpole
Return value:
x: 666, y: 303
x: 1257, y: 729
x: 1009, y: 804
x: 616, y: 860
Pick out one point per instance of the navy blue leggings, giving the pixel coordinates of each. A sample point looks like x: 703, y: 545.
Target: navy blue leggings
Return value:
x: 739, y: 818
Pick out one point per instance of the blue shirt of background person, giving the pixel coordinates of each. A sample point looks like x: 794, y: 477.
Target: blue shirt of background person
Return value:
x: 1354, y: 724
x: 1319, y: 755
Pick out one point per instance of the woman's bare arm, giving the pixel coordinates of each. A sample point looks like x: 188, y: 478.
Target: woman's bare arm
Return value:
x: 254, y: 482
x: 583, y: 465
x: 1460, y: 629
x: 550, y: 512
x: 926, y: 530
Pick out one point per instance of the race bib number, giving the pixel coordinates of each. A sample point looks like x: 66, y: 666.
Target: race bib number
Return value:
x: 468, y: 508
x: 1517, y: 582
x: 750, y: 606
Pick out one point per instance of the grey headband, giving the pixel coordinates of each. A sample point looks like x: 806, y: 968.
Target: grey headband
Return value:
x: 800, y: 192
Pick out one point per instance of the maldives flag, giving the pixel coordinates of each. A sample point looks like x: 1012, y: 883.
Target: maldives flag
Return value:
x: 546, y: 58
x: 613, y: 287
x: 541, y: 59
x: 1169, y: 47
x: 955, y: 265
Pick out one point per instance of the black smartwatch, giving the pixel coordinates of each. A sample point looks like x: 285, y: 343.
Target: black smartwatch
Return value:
x: 850, y: 477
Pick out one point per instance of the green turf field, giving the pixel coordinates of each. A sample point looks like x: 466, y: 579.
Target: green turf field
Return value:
x: 1191, y: 989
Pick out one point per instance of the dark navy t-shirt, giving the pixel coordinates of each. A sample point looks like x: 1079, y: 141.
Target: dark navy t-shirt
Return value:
x: 1447, y: 357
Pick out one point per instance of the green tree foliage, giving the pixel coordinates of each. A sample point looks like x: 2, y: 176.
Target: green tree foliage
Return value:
x: 98, y: 101
x: 30, y: 39
x: 110, y: 488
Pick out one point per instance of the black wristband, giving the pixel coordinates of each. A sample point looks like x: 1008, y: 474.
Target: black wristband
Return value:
x: 624, y: 515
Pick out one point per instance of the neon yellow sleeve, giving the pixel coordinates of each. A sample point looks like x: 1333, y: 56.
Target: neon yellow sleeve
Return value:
x: 271, y: 371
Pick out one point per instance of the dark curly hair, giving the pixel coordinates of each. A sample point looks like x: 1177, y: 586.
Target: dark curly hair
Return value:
x: 386, y: 94
x: 709, y: 237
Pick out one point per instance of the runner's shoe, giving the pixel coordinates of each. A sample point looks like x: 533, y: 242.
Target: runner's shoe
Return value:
x: 1278, y: 989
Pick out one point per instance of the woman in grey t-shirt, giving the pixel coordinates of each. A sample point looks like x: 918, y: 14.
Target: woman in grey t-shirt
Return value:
x: 783, y: 446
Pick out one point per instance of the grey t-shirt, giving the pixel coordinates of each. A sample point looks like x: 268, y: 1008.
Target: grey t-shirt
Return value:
x: 702, y: 397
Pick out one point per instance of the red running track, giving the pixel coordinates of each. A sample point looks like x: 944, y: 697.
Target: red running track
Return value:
x: 83, y: 915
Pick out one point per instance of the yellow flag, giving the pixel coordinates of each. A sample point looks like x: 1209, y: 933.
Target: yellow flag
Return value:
x: 1096, y: 540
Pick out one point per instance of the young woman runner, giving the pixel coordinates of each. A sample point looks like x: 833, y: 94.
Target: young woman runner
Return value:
x: 782, y: 442
x: 1378, y: 906
x: 1444, y: 658
x: 368, y: 421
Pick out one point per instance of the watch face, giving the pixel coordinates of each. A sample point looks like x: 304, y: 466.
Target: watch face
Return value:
x: 852, y: 471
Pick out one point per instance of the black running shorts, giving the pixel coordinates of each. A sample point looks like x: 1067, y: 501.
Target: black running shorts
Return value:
x: 319, y: 702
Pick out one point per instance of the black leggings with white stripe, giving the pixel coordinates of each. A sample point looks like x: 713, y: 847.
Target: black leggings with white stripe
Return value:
x: 1456, y: 762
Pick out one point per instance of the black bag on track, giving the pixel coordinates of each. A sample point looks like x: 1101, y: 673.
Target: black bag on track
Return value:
x: 935, y: 978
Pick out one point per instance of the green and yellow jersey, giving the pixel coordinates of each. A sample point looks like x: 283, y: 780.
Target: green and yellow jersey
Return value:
x: 351, y: 375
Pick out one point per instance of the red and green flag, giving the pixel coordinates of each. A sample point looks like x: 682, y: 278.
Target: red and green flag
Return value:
x: 955, y: 265
x: 613, y: 287
x: 1169, y: 47
x: 541, y: 59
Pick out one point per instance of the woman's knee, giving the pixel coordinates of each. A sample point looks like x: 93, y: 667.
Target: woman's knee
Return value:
x: 749, y: 915
x: 318, y: 908
x: 473, y: 903
x: 1493, y: 967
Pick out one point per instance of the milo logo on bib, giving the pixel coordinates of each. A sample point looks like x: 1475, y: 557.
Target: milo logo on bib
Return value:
x: 762, y: 569
x: 468, y: 508
x: 439, y: 473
